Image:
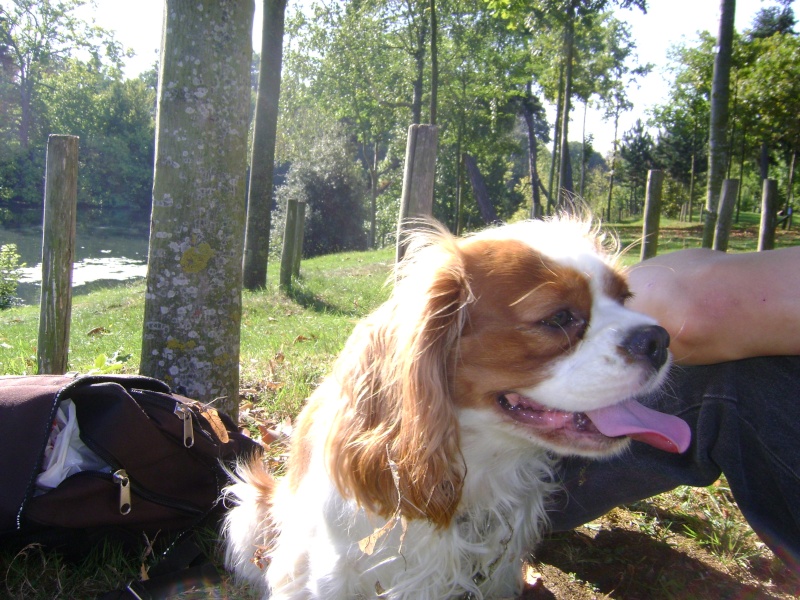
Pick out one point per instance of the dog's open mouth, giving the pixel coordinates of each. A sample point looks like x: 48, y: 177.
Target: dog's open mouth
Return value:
x: 630, y: 419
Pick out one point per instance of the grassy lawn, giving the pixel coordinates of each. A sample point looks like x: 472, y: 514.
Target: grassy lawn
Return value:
x: 689, y: 543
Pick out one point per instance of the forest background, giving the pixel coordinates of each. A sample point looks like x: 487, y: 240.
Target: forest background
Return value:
x: 357, y: 73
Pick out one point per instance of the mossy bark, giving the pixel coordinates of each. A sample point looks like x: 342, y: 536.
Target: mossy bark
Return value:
x: 194, y: 281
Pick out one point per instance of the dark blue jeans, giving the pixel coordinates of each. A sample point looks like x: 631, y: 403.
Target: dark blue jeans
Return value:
x: 745, y: 420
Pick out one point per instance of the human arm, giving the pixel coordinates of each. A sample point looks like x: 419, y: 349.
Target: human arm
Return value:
x: 719, y: 307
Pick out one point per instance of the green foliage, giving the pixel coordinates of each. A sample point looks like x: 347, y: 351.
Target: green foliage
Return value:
x: 770, y: 89
x: 637, y: 153
x: 105, y: 365
x: 331, y: 185
x: 45, y: 89
x: 763, y: 107
x: 9, y: 274
x: 771, y: 20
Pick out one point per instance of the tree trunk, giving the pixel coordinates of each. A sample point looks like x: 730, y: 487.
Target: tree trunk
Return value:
x: 741, y: 175
x: 769, y: 206
x: 481, y: 192
x: 789, y: 189
x: 733, y: 116
x: 583, y: 151
x: 434, y: 63
x: 717, y: 138
x: 613, y: 162
x: 459, y: 176
x: 564, y: 170
x: 373, y: 196
x: 193, y: 298
x: 259, y: 200
x: 553, y: 197
x: 26, y: 111
x: 693, y: 173
x: 763, y: 161
x: 419, y: 77
x: 527, y: 113
x: 727, y: 203
x: 691, y: 190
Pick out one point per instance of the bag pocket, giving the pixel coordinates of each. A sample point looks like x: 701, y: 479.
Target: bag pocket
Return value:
x: 96, y: 499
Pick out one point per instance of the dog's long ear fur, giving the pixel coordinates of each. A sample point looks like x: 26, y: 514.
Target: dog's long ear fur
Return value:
x: 395, y: 445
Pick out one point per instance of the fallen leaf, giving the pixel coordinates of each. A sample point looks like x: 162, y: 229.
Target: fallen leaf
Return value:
x: 268, y: 435
x: 367, y: 545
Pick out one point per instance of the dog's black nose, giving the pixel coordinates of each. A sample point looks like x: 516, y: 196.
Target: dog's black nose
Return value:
x: 648, y: 343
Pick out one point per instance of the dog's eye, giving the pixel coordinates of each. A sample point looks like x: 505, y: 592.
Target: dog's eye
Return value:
x: 560, y: 319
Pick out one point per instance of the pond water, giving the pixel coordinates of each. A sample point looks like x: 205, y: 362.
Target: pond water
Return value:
x: 104, y: 255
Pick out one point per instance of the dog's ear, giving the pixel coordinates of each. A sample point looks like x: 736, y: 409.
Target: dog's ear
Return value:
x: 395, y: 447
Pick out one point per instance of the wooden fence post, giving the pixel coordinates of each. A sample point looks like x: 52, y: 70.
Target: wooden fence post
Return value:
x: 287, y: 253
x: 727, y: 202
x: 418, y: 179
x: 299, y: 236
x: 652, y: 213
x: 769, y: 206
x: 58, y: 253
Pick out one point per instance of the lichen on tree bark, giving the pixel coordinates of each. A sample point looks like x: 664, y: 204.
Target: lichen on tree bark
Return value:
x: 193, y: 297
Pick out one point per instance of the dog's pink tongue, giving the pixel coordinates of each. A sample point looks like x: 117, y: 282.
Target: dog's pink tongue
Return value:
x: 665, y: 432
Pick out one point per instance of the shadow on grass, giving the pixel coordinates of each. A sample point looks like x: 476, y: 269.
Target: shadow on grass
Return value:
x: 311, y: 301
x: 630, y: 565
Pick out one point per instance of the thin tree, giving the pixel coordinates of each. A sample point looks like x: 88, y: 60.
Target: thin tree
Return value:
x: 564, y: 171
x: 717, y: 138
x: 434, y: 63
x: 533, y: 114
x: 192, y: 313
x: 262, y: 160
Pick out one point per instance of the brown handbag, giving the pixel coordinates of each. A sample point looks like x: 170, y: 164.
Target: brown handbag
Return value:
x: 165, y: 457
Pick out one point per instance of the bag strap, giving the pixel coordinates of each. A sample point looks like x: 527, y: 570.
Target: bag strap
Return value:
x: 184, y: 566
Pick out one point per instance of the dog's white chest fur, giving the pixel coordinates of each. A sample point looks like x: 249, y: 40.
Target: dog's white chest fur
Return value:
x: 359, y: 556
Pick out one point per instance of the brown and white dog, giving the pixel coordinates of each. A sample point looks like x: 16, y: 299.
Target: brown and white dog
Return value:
x: 421, y: 466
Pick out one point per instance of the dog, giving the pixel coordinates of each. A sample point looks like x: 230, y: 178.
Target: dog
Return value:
x: 421, y: 467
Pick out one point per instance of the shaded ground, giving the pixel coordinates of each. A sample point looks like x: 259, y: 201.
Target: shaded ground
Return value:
x: 626, y: 556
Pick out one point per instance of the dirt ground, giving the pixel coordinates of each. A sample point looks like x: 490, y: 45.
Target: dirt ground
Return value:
x: 617, y: 558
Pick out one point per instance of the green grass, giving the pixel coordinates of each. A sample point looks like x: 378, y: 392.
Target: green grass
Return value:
x: 288, y: 343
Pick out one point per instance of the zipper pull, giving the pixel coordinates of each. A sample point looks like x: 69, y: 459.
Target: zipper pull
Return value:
x: 184, y: 413
x: 124, y: 483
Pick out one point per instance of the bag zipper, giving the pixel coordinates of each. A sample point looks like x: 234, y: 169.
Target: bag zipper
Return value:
x: 183, y: 411
x: 127, y: 485
x: 121, y: 479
